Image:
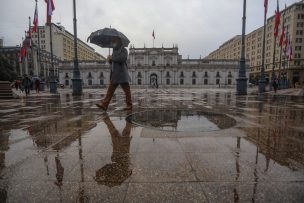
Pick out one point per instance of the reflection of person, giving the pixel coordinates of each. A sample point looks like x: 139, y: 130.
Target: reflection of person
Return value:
x: 275, y: 85
x: 119, y: 170
x: 119, y: 75
x: 26, y: 83
x: 60, y: 171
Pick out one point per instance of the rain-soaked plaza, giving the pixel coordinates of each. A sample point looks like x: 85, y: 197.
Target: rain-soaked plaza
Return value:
x: 177, y: 145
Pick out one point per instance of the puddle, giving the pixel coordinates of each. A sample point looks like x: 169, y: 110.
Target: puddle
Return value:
x: 182, y: 120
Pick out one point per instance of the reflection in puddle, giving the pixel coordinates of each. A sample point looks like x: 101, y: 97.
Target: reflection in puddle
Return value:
x: 182, y: 120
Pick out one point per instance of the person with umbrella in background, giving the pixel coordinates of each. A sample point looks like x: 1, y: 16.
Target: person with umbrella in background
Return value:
x: 111, y: 38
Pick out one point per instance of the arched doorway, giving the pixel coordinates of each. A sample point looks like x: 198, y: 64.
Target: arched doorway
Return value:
x: 153, y: 80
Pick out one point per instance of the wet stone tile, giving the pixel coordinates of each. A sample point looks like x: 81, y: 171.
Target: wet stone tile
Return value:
x: 48, y: 166
x: 221, y: 167
x: 244, y: 192
x: 162, y: 167
x: 25, y: 191
x: 159, y: 145
x: 87, y: 192
x: 165, y: 192
x: 115, y: 168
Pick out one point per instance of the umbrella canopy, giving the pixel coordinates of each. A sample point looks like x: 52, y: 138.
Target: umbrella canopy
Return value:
x: 103, y: 37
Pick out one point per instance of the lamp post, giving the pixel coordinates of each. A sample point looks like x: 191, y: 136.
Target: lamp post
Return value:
x: 76, y: 80
x: 241, y: 81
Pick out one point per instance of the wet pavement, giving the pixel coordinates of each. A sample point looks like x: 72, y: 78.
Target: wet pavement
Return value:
x: 182, y: 145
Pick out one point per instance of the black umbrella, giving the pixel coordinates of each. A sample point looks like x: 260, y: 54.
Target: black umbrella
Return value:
x: 103, y: 37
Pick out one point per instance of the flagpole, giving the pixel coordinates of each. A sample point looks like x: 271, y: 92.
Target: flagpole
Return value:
x: 241, y: 81
x: 274, y: 46
x: 39, y: 57
x: 31, y: 46
x: 262, y: 73
x: 26, y: 55
x: 283, y: 24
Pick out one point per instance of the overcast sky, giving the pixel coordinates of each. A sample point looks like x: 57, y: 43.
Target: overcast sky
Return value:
x: 197, y: 26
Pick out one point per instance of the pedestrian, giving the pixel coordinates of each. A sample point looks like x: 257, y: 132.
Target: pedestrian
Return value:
x: 275, y: 85
x: 119, y: 75
x: 26, y: 83
x: 16, y: 84
x: 37, y: 85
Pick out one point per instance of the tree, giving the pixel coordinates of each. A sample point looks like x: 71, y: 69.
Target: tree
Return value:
x: 7, y: 72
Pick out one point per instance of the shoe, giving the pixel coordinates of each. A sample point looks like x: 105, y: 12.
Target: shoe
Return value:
x: 101, y: 107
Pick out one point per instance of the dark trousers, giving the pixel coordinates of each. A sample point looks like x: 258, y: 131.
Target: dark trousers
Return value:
x: 111, y: 89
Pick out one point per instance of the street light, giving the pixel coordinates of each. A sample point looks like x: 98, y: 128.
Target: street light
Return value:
x: 76, y: 80
x: 241, y: 81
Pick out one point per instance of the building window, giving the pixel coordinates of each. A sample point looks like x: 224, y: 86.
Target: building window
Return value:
x: 168, y: 74
x: 66, y: 75
x: 229, y: 81
x: 206, y: 74
x: 67, y: 82
x: 139, y: 81
x: 139, y: 75
x: 101, y: 82
x: 181, y: 81
x: 217, y: 81
x: 193, y: 74
x: 168, y: 81
x: 217, y: 74
x: 101, y: 75
x: 229, y: 74
x: 193, y: 81
x: 182, y: 74
x: 89, y: 75
x: 89, y: 82
x: 205, y: 81
x: 153, y: 63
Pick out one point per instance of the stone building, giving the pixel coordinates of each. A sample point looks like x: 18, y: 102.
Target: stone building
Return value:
x: 158, y: 67
x: 63, y: 44
x: 293, y: 16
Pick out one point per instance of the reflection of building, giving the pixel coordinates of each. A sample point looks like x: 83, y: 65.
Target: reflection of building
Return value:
x: 162, y: 66
x: 294, y: 22
x: 63, y: 44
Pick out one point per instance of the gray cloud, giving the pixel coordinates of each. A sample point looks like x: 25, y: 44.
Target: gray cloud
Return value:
x: 197, y: 26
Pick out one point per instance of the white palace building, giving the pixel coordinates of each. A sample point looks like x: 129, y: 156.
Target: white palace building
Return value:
x: 157, y: 67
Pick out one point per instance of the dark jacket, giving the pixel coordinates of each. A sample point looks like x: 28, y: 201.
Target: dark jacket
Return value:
x: 119, y: 70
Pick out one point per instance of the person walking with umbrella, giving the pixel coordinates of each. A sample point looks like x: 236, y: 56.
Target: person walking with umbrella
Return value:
x: 111, y: 38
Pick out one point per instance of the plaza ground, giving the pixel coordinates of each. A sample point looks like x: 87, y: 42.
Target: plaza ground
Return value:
x: 62, y: 148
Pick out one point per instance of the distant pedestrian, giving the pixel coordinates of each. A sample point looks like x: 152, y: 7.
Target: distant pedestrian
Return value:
x: 17, y: 83
x: 37, y: 85
x: 119, y: 75
x: 26, y: 83
x: 275, y: 85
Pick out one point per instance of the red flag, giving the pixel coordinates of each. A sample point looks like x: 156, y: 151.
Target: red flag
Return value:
x: 153, y: 35
x: 23, y: 51
x: 49, y: 10
x: 19, y: 57
x: 265, y: 6
x: 277, y: 20
x: 35, y: 21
